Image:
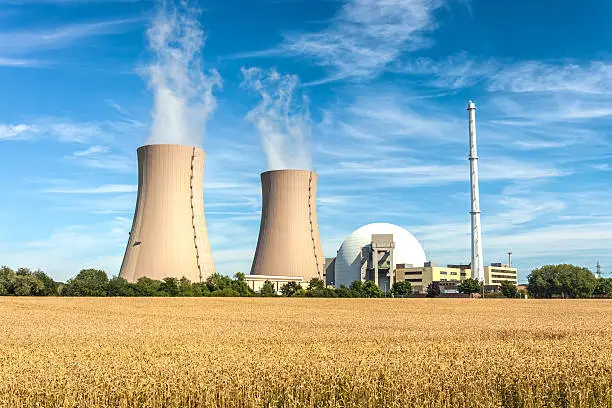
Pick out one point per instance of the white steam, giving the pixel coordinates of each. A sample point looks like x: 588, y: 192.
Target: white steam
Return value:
x: 283, y: 123
x: 182, y: 93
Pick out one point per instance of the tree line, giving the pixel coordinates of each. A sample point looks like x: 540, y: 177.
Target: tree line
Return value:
x: 550, y: 281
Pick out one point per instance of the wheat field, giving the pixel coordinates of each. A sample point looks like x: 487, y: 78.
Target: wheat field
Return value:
x: 287, y: 352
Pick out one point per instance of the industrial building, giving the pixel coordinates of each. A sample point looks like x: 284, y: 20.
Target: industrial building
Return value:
x: 387, y: 253
x: 372, y: 253
x: 450, y: 276
x: 289, y: 243
x: 169, y: 236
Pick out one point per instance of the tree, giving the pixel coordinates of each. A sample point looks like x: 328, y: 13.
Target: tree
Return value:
x: 50, y: 287
x: 89, y: 282
x: 290, y: 288
x: 316, y: 284
x: 218, y: 282
x: 146, y: 287
x: 433, y: 289
x: 401, y: 288
x: 356, y: 288
x: 7, y: 280
x: 343, y: 292
x: 469, y: 286
x: 508, y: 289
x: 188, y: 289
x: 169, y: 286
x: 316, y: 288
x: 562, y: 280
x: 604, y: 287
x: 372, y: 290
x: 240, y: 285
x: 267, y: 290
x: 27, y: 285
x: 117, y: 286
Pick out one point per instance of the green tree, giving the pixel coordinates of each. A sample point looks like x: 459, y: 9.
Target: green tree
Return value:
x: 146, y: 287
x: 401, y: 288
x: 316, y: 288
x: 290, y: 288
x: 89, y: 282
x: 356, y: 288
x: 218, y: 282
x: 470, y: 286
x: 508, y: 289
x: 371, y: 290
x: 240, y: 285
x: 27, y: 285
x: 344, y: 292
x: 604, y: 287
x: 268, y: 290
x: 316, y: 284
x: 7, y: 280
x: 50, y: 287
x: 433, y: 289
x: 188, y: 289
x: 169, y: 286
x: 117, y: 286
x: 562, y: 280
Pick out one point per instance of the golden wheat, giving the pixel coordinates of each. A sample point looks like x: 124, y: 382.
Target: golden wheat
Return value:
x: 251, y: 352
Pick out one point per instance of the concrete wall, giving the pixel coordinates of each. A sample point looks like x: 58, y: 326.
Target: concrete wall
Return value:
x: 289, y: 243
x: 169, y: 236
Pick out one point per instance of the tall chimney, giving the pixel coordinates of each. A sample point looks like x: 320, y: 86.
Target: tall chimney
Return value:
x: 169, y: 236
x: 477, y: 264
x: 289, y: 243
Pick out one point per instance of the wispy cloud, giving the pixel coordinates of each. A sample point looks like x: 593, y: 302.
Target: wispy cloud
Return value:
x: 40, y: 39
x: 103, y: 189
x: 19, y: 62
x: 363, y: 38
x: 593, y: 77
x: 91, y: 151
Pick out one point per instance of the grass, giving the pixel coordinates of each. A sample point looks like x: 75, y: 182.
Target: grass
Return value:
x: 251, y: 352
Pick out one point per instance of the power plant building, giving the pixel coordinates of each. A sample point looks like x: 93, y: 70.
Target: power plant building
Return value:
x: 169, y: 236
x: 289, y: 245
x: 372, y: 253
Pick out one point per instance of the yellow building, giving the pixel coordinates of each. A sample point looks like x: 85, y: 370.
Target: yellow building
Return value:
x: 450, y: 276
x: 498, y: 273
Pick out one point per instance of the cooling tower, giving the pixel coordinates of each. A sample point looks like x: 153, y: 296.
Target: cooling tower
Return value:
x: 168, y: 236
x: 289, y: 243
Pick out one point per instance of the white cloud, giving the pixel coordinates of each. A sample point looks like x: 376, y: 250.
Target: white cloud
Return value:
x: 37, y: 39
x: 18, y: 62
x: 103, y: 189
x: 69, y: 249
x: 593, y: 77
x: 364, y: 37
x: 91, y: 151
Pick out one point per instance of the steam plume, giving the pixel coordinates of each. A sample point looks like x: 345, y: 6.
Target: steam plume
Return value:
x: 283, y: 123
x: 182, y: 93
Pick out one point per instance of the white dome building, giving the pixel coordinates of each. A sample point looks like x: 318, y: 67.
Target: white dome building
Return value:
x: 348, y: 265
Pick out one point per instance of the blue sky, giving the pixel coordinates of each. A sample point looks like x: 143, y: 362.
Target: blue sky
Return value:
x: 378, y: 93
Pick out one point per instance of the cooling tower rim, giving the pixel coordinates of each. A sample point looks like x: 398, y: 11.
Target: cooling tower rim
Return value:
x: 287, y: 171
x: 149, y: 146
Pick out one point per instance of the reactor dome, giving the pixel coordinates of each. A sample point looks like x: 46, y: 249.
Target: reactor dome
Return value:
x: 348, y: 261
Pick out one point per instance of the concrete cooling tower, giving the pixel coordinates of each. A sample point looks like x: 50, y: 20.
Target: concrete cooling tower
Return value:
x: 168, y: 236
x: 289, y: 243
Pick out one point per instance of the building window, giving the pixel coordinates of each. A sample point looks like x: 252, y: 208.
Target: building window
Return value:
x: 454, y: 273
x: 443, y: 273
x: 413, y: 273
x: 442, y: 280
x: 413, y: 280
